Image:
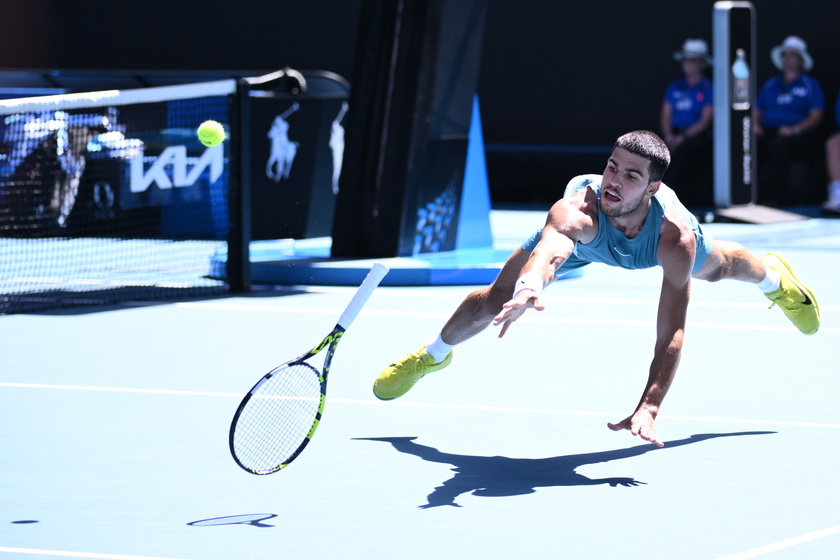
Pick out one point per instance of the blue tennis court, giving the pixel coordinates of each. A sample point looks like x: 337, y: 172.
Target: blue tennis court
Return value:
x: 115, y: 419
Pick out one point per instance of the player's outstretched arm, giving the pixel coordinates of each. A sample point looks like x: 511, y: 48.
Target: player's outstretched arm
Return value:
x: 567, y: 223
x: 676, y: 255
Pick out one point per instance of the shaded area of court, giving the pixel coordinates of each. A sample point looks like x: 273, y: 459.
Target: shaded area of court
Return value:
x: 114, y: 426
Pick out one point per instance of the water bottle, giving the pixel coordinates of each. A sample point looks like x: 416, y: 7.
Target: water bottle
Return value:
x: 740, y: 82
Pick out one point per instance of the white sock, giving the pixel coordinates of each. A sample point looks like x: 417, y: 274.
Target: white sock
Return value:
x: 439, y: 349
x: 771, y: 281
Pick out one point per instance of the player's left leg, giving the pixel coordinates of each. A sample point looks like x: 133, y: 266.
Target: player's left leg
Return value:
x: 472, y: 316
x: 773, y: 276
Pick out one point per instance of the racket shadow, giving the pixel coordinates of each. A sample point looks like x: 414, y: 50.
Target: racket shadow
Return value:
x: 505, y: 476
x: 253, y: 519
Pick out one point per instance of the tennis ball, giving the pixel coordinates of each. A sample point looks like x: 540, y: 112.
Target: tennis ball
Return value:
x: 211, y: 133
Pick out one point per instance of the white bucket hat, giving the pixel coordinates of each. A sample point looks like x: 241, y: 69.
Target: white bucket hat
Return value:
x: 696, y: 48
x: 796, y: 44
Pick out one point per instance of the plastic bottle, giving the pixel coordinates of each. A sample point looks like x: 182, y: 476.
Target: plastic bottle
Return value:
x: 740, y: 82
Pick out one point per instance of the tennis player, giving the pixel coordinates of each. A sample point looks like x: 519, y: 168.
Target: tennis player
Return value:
x: 629, y: 219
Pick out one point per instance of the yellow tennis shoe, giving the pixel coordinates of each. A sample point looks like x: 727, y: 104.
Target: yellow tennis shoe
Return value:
x: 398, y: 378
x: 793, y: 297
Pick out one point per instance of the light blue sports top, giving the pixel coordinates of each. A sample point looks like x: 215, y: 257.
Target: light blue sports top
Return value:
x: 612, y: 247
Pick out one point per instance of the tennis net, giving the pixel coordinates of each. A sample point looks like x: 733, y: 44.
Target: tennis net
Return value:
x: 108, y: 196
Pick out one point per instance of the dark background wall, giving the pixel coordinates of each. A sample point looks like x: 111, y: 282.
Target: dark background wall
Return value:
x: 552, y: 72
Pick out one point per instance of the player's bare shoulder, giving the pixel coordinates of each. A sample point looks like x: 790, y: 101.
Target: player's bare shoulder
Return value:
x: 575, y: 215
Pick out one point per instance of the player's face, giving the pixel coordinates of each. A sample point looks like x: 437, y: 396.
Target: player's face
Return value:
x: 626, y: 187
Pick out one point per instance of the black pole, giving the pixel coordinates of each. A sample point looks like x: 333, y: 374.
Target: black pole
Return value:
x: 239, y: 197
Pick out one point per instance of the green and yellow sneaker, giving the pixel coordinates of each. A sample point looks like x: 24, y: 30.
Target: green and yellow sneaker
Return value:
x: 795, y: 299
x: 398, y: 378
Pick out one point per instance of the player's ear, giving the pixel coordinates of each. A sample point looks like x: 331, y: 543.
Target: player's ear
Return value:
x: 653, y: 187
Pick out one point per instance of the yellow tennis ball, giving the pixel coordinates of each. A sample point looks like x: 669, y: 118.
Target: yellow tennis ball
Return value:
x: 211, y: 133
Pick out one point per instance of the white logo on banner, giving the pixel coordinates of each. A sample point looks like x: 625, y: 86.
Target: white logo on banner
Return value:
x: 283, y: 150
x: 185, y: 171
x: 337, y: 146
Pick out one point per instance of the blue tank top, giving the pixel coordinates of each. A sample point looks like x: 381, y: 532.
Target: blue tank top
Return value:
x: 612, y: 247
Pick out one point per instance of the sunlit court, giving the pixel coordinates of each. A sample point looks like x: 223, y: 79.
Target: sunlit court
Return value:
x: 226, y: 297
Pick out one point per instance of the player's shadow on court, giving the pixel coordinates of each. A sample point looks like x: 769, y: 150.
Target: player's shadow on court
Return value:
x: 504, y: 476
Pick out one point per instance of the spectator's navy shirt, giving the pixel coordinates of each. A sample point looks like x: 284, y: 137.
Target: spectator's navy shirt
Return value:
x: 688, y: 101
x: 788, y: 104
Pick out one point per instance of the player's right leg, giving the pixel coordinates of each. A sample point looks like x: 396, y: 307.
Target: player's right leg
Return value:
x: 730, y: 260
x: 473, y: 315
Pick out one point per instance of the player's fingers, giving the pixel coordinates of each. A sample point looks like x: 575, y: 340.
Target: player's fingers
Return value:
x: 648, y: 433
x: 506, y: 325
x: 618, y: 427
x: 651, y: 437
x: 509, y: 313
x: 498, y: 319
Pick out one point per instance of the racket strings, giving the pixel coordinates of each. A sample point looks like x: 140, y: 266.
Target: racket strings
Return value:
x: 277, y: 418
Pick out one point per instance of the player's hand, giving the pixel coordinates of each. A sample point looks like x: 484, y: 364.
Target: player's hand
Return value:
x: 641, y: 423
x: 513, y: 310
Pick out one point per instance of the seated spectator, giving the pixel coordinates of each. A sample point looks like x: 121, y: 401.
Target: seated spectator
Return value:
x: 832, y: 161
x: 686, y: 123
x: 788, y: 121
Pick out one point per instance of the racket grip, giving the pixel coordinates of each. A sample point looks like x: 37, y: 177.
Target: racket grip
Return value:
x: 371, y: 281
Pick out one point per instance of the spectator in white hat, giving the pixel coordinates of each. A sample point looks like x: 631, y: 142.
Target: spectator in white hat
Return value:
x: 686, y: 122
x: 788, y: 117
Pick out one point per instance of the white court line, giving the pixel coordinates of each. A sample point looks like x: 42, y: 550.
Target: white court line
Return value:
x: 120, y: 390
x: 459, y: 292
x: 70, y: 554
x: 787, y: 543
x: 482, y: 408
x: 217, y: 306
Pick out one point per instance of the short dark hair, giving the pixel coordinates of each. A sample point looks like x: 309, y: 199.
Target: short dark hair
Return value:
x: 651, y: 147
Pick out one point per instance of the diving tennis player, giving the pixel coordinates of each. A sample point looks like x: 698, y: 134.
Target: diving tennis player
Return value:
x: 626, y: 218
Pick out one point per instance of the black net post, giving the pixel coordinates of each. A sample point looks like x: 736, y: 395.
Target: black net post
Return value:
x: 239, y: 197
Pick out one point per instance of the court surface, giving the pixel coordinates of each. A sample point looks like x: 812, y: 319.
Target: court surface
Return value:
x: 114, y: 426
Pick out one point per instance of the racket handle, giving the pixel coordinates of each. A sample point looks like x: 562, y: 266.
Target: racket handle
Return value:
x: 371, y: 281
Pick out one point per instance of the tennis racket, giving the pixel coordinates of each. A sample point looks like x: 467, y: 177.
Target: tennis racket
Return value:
x: 277, y: 418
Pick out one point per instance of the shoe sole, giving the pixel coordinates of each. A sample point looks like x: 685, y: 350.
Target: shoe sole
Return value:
x: 375, y: 394
x: 802, y: 287
x: 437, y: 367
